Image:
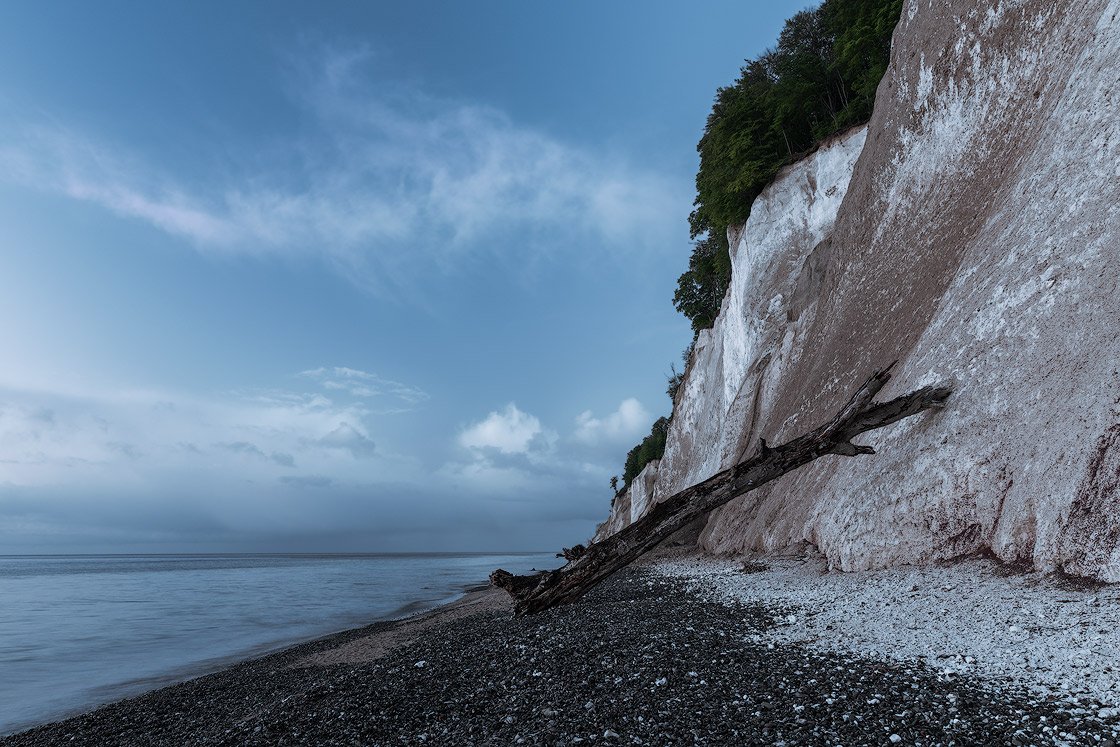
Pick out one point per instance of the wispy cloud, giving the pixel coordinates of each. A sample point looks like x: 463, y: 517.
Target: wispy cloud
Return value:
x: 307, y: 481
x: 252, y: 450
x: 59, y: 160
x: 149, y: 437
x: 365, y: 385
x: 388, y: 184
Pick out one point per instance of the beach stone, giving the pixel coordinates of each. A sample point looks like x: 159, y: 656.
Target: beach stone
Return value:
x: 486, y: 699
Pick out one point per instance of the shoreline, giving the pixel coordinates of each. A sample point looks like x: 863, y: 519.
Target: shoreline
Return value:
x: 135, y: 688
x: 396, y: 629
x: 645, y: 658
x: 80, y: 632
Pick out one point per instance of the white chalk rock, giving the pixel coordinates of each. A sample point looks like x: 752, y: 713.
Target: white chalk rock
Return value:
x: 970, y: 232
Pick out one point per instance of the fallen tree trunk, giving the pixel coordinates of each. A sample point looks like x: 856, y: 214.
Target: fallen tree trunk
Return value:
x: 599, y: 560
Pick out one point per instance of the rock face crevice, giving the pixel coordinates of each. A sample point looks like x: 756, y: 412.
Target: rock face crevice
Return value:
x: 970, y: 231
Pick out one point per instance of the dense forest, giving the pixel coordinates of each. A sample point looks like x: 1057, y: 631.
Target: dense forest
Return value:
x: 820, y: 79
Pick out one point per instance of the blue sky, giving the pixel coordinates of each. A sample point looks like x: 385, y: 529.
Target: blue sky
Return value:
x: 341, y: 277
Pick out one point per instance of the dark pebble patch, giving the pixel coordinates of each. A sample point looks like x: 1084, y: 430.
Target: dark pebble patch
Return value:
x: 639, y: 661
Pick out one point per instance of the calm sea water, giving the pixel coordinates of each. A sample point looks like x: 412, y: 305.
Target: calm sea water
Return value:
x: 78, y: 631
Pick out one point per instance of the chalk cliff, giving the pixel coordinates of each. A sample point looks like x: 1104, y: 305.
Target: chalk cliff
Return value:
x: 971, y: 231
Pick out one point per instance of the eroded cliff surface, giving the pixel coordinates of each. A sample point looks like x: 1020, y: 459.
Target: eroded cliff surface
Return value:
x: 971, y: 233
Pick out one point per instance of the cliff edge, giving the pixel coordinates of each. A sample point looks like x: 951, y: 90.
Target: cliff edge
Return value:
x: 969, y: 231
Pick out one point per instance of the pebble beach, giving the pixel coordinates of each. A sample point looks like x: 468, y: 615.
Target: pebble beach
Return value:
x: 654, y: 656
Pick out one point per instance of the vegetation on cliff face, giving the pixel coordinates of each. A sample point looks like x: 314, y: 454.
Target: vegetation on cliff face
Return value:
x: 652, y: 447
x: 819, y: 79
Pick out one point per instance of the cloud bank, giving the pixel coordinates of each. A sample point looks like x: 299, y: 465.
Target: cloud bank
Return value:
x: 289, y: 469
x: 147, y: 437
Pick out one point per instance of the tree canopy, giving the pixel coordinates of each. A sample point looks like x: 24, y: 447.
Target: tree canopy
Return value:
x: 818, y: 80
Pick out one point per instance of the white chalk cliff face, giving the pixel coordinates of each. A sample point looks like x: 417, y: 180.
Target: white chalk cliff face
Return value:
x: 972, y: 232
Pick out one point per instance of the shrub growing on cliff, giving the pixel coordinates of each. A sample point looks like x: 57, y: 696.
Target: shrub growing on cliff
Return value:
x: 676, y: 378
x: 819, y: 79
x: 652, y: 447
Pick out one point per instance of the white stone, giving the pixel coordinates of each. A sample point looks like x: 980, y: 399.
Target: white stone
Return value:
x: 961, y: 632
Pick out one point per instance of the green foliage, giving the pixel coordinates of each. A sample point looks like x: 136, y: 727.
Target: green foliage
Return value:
x: 862, y: 48
x: 673, y: 385
x: 676, y: 378
x: 652, y: 447
x: 700, y: 290
x: 819, y: 79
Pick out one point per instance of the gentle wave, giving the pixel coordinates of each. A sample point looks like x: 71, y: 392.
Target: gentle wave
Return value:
x: 79, y: 631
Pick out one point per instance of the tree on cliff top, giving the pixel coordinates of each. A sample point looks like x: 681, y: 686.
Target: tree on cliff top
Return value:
x: 820, y: 79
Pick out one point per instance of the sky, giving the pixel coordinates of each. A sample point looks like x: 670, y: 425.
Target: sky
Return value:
x: 342, y: 277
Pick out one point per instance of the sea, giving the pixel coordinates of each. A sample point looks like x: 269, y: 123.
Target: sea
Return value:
x: 77, y: 631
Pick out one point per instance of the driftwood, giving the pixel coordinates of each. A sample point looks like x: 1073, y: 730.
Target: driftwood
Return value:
x: 599, y: 560
x: 571, y: 553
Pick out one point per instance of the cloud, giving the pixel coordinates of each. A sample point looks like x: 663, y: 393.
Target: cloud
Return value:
x: 284, y: 460
x: 346, y: 437
x: 511, y: 454
x: 242, y: 447
x: 126, y: 450
x: 307, y: 481
x: 625, y: 424
x: 364, y: 385
x: 389, y: 186
x: 144, y: 437
x: 510, y: 431
x: 218, y: 473
x: 245, y: 448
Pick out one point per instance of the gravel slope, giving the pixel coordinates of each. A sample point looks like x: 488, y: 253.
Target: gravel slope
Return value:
x: 640, y: 661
